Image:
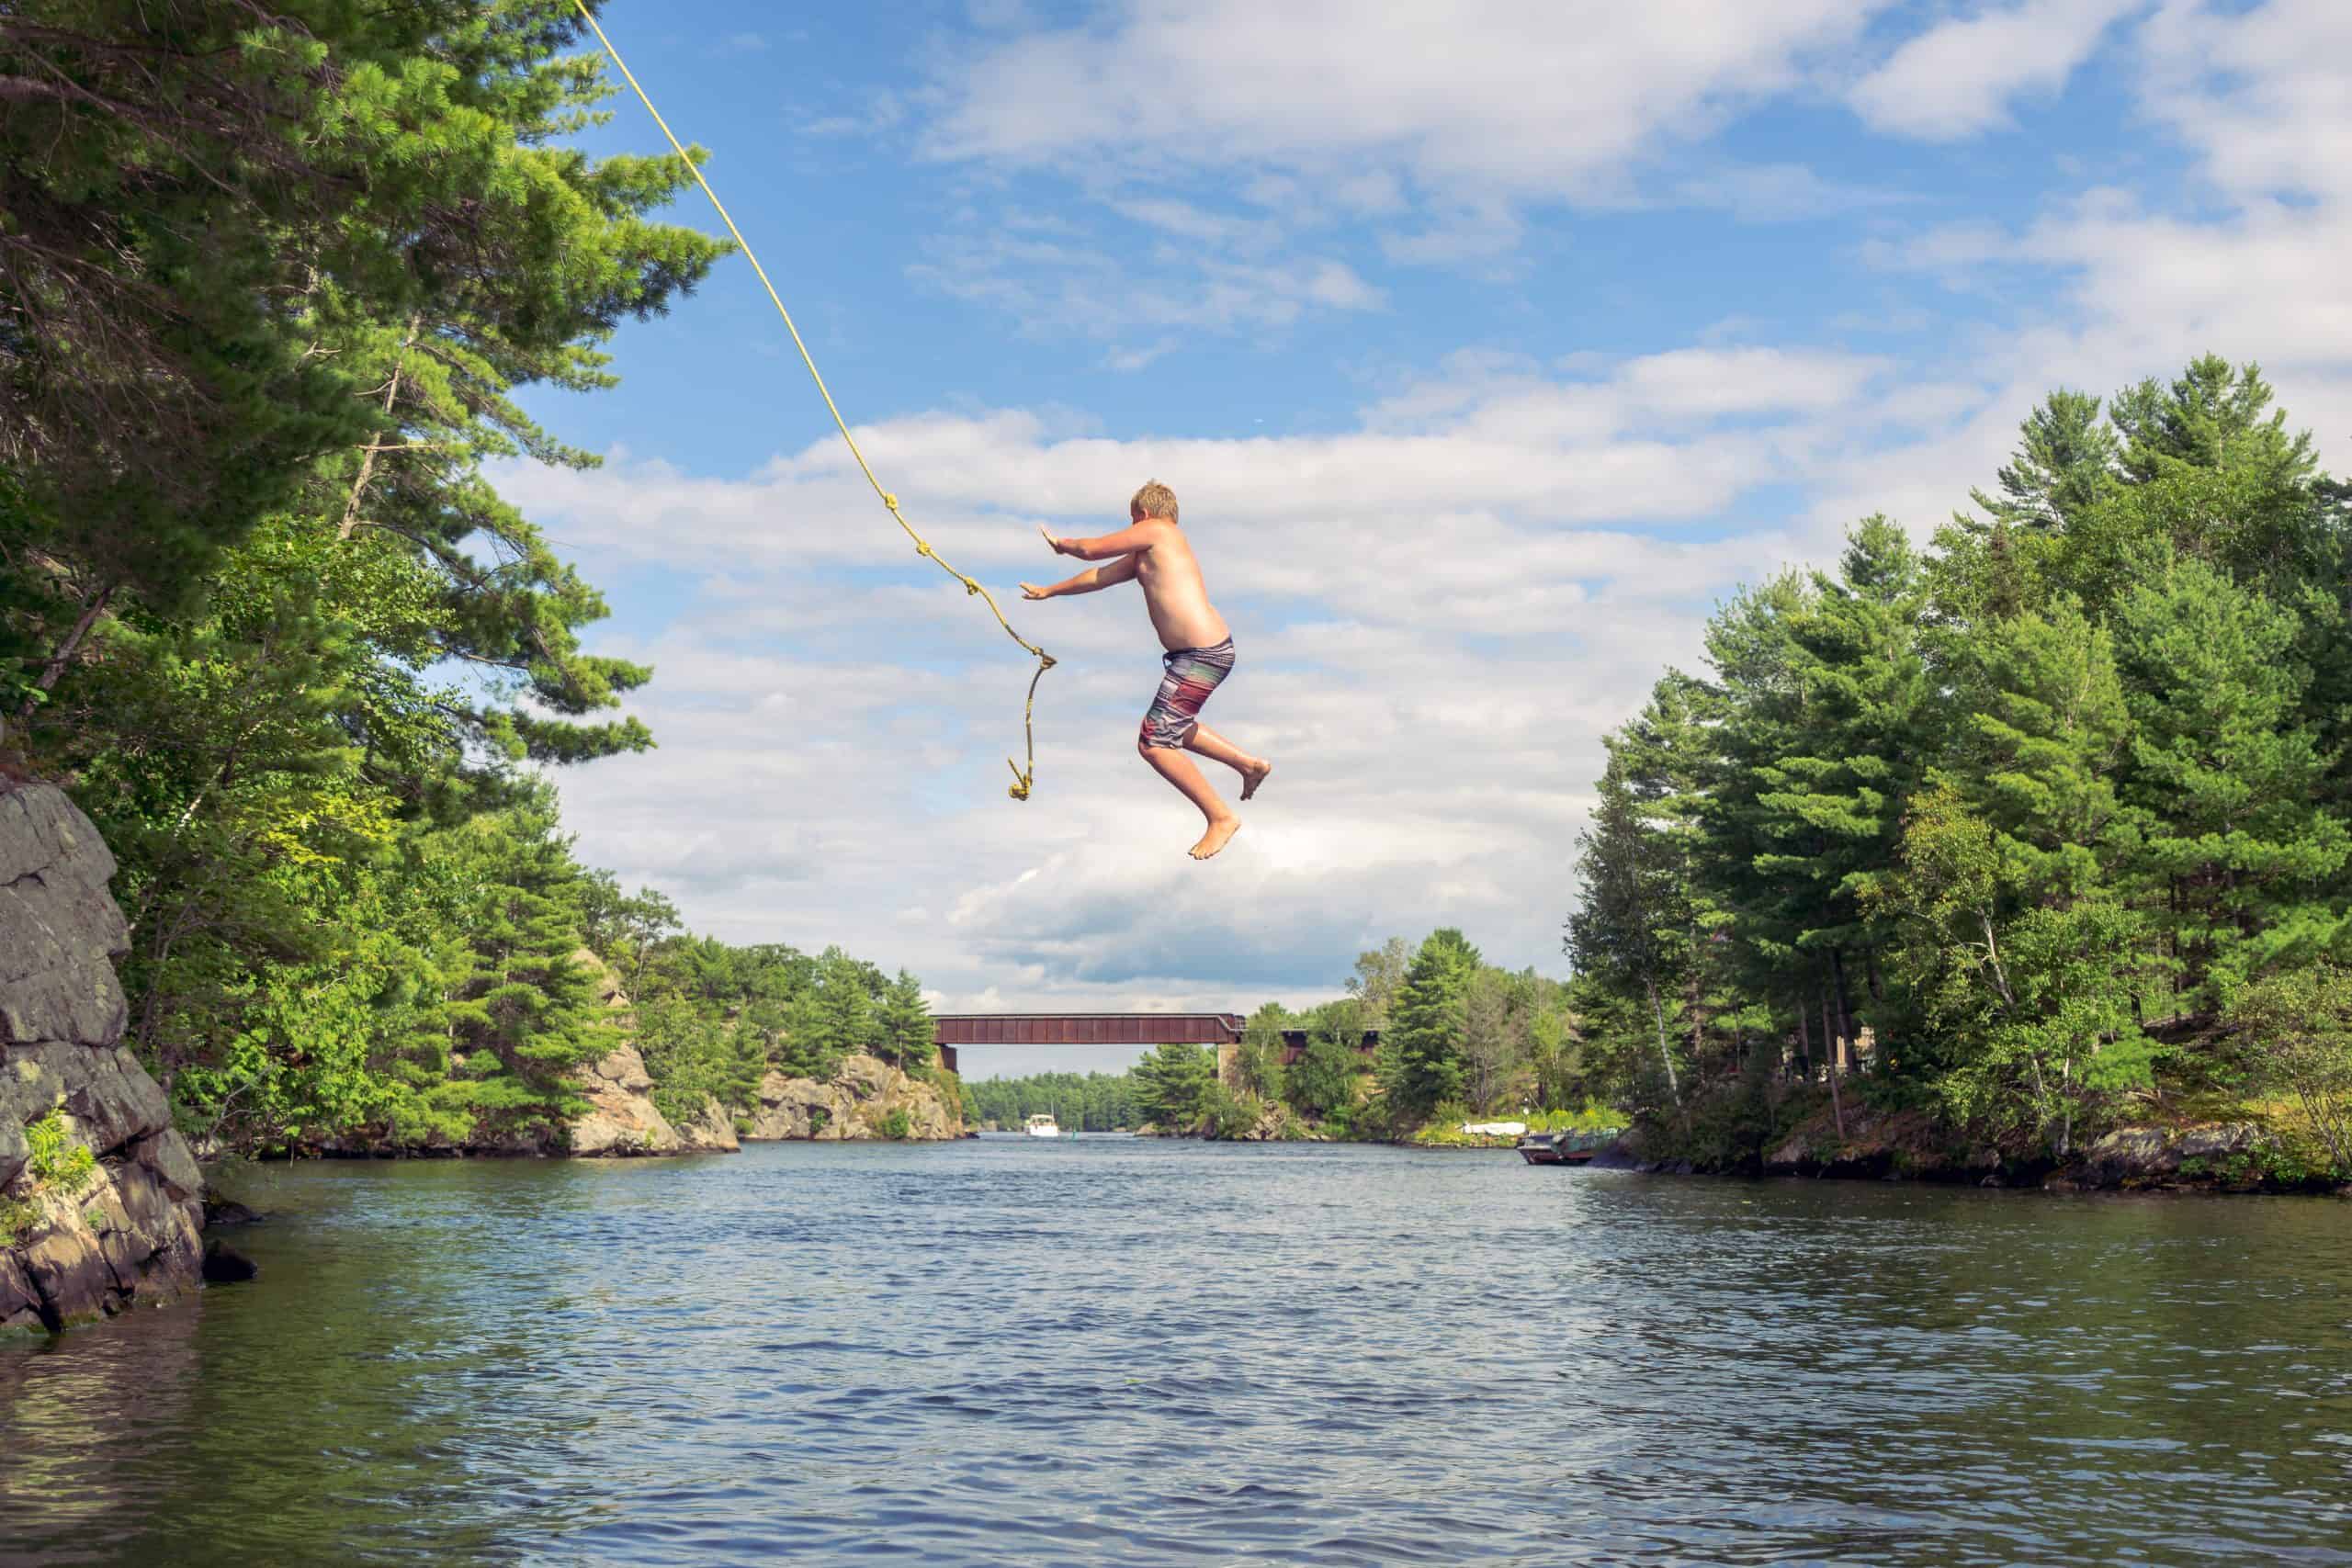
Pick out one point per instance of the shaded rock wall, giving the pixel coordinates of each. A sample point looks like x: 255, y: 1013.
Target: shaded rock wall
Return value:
x: 853, y: 1103
x: 126, y: 1230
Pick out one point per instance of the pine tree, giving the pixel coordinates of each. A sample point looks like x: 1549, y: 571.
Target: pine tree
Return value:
x: 908, y: 1038
x: 1420, y: 1052
x: 2039, y: 755
x: 2226, y: 784
x: 1172, y: 1087
x: 1868, y: 718
x: 2064, y: 465
x: 525, y: 1014
x: 1630, y: 930
x: 846, y: 1020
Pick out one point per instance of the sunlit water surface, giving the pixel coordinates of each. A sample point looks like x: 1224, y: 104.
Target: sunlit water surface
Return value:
x: 1138, y: 1352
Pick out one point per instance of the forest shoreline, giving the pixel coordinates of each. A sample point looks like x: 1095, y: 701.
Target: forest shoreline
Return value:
x: 2190, y: 1156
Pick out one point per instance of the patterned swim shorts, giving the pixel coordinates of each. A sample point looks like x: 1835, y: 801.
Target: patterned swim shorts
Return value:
x: 1190, y: 675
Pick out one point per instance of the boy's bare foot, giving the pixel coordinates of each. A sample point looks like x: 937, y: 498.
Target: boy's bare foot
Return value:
x: 1215, y: 837
x: 1253, y: 775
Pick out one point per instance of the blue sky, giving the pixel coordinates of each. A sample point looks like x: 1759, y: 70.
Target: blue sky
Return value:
x: 1488, y: 347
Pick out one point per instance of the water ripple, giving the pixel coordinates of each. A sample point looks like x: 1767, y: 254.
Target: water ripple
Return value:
x: 1153, y: 1354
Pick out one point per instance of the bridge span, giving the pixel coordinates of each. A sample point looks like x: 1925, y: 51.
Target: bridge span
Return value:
x: 1219, y: 1030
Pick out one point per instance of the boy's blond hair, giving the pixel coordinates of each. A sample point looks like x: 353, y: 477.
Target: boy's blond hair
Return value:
x: 1155, y: 499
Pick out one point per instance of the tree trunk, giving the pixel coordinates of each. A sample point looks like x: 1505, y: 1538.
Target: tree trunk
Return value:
x: 1673, y: 1085
x: 375, y: 442
x: 64, y: 654
x: 1837, y: 1051
x: 1846, y: 1034
x: 1805, y: 1038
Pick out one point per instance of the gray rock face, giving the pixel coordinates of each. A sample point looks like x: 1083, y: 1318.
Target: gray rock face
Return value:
x: 60, y: 929
x: 710, y: 1132
x: 77, y: 1246
x: 861, y: 1095
x: 622, y: 1118
x: 2145, y: 1156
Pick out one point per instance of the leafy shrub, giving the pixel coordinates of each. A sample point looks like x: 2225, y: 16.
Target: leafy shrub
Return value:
x: 895, y: 1126
x: 1226, y: 1114
x: 57, y: 1160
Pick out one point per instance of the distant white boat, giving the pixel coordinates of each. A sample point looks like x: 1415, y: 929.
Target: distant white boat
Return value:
x: 1496, y: 1129
x: 1043, y: 1125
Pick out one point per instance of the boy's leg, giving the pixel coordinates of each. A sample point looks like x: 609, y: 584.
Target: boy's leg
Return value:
x: 1210, y: 744
x: 1178, y: 768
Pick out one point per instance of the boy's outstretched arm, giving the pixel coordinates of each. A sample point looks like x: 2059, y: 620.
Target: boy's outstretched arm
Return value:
x: 1126, y: 542
x: 1092, y: 579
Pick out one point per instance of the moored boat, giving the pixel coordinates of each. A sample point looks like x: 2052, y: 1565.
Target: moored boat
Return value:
x: 1043, y: 1125
x: 1564, y: 1148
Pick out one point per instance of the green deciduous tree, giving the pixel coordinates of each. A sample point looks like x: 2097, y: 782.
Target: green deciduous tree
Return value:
x: 1258, y: 1058
x: 2299, y: 1026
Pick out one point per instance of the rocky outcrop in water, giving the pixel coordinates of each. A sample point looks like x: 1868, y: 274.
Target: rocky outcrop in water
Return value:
x: 2136, y: 1159
x: 99, y: 1197
x: 857, y: 1102
x: 622, y: 1118
x: 712, y: 1132
x: 1911, y: 1144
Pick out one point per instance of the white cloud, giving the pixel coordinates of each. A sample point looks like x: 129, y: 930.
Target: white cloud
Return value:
x: 1442, y: 606
x: 2265, y: 96
x: 1532, y: 96
x: 1439, y: 612
x: 2115, y: 285
x: 1959, y: 79
x: 1057, y: 286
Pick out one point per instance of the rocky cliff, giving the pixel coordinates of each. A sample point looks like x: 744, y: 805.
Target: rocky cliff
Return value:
x: 857, y: 1102
x: 622, y: 1118
x: 99, y: 1196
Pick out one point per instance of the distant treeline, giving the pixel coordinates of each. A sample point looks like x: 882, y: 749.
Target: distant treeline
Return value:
x: 2055, y: 814
x: 1459, y: 1038
x: 1090, y: 1102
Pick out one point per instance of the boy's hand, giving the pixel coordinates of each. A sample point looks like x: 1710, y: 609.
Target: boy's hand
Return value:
x: 1031, y: 590
x: 1059, y: 547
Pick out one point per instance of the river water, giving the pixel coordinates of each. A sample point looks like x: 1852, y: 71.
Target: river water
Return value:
x: 1143, y: 1352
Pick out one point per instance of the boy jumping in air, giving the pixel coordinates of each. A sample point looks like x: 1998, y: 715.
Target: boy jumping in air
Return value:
x: 1154, y: 552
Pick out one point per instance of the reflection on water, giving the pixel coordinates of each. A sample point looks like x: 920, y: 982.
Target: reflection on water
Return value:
x: 1135, y: 1352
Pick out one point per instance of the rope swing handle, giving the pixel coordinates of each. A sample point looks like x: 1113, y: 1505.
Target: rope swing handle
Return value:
x: 1022, y: 777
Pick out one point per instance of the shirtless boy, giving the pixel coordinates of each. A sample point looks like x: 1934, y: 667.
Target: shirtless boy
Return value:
x: 1153, y: 551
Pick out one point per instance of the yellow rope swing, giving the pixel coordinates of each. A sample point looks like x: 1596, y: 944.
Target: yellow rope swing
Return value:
x: 1022, y: 777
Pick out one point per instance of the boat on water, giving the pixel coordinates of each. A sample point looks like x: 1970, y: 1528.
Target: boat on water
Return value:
x: 1566, y: 1148
x: 1043, y: 1125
